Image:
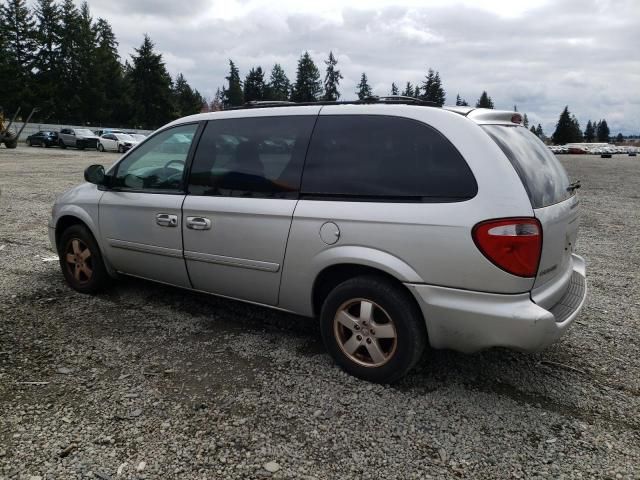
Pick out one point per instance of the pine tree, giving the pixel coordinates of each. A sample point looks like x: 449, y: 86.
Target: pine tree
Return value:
x: 113, y: 100
x: 308, y: 85
x: 216, y: 103
x: 70, y: 63
x: 151, y: 87
x: 603, y: 131
x: 533, y: 130
x: 461, y: 102
x: 88, y: 89
x: 589, y: 132
x: 432, y: 88
x: 540, y: 132
x: 417, y: 92
x: 567, y: 129
x: 233, y: 94
x: 394, y: 89
x: 619, y: 138
x: 254, y: 86
x: 186, y: 100
x: 525, y: 121
x: 408, y: 90
x: 18, y: 32
x: 484, y: 101
x: 279, y: 87
x: 364, y: 90
x: 47, y: 64
x: 331, y: 80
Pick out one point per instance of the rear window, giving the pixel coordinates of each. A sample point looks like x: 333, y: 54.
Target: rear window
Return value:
x: 542, y: 175
x: 381, y: 158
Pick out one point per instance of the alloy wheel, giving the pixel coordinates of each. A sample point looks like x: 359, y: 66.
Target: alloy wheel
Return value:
x: 365, y: 332
x: 79, y: 261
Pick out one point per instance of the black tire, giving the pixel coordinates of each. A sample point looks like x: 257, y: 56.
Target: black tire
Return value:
x: 100, y: 147
x: 398, y: 305
x: 73, y: 269
x: 120, y: 149
x: 62, y: 145
x: 29, y: 143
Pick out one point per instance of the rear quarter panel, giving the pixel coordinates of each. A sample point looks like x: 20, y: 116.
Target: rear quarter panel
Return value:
x: 415, y: 242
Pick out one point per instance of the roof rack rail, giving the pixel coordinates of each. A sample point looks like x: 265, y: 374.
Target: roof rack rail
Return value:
x: 387, y: 99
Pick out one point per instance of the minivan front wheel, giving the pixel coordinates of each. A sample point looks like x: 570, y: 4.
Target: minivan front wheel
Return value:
x: 81, y: 260
x: 373, y: 329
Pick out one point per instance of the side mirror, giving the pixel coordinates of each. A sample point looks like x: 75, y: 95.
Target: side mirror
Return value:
x: 95, y: 174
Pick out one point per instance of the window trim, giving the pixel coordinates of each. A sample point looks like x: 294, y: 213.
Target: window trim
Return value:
x: 337, y: 197
x: 187, y: 163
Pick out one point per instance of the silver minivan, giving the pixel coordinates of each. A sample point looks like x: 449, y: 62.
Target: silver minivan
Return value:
x: 397, y: 225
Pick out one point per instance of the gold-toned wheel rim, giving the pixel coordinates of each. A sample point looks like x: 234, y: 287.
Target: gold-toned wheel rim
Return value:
x: 79, y: 261
x: 365, y: 332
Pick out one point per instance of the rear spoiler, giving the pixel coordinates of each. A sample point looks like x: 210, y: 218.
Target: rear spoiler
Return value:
x: 488, y: 115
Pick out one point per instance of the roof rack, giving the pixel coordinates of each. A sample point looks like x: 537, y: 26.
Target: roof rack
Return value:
x: 387, y: 99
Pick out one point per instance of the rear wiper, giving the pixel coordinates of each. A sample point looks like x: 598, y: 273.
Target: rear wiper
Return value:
x: 573, y: 186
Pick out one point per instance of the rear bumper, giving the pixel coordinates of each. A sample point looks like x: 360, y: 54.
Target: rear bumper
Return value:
x: 469, y: 321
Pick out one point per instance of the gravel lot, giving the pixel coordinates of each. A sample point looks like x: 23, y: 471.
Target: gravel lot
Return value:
x: 147, y: 381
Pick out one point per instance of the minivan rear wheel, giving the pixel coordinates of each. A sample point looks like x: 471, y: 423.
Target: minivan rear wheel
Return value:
x: 373, y: 329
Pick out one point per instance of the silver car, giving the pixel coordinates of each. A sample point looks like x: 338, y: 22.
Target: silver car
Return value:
x: 398, y: 226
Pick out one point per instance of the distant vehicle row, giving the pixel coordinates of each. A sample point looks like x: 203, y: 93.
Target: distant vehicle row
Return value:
x: 605, y: 151
x: 81, y: 138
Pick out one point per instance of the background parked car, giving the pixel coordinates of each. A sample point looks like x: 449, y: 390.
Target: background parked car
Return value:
x: 138, y: 136
x: 43, y: 139
x: 99, y: 133
x: 118, y: 142
x: 79, y: 138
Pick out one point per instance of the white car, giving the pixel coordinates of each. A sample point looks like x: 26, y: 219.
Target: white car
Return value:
x: 137, y: 136
x: 118, y: 142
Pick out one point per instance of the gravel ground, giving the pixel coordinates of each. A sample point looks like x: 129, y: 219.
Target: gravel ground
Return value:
x: 147, y: 381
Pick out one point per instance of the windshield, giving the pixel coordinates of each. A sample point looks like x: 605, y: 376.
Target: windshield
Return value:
x: 85, y: 131
x: 542, y: 175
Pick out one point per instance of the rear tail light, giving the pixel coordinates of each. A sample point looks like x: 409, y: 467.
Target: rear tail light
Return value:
x: 512, y: 244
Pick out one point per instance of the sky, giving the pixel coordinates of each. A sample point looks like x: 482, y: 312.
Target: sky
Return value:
x: 537, y: 54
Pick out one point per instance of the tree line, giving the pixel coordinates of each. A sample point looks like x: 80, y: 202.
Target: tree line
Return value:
x: 568, y: 130
x: 58, y: 58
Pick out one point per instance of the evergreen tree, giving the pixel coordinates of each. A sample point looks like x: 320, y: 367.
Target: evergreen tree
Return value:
x: 408, y: 90
x: 567, y: 129
x: 88, y: 89
x: 484, y: 101
x: 233, y: 94
x: 151, y: 87
x: 216, y: 103
x: 113, y: 97
x: 19, y: 45
x: 461, y: 102
x: 432, y: 88
x: 254, y: 86
x: 603, y: 131
x: 186, y: 100
x: 515, y: 108
x: 279, y: 87
x: 533, y: 130
x: 69, y: 78
x: 525, y: 121
x: 589, y: 132
x: 331, y: 80
x: 364, y: 90
x: 47, y: 65
x: 540, y: 132
x: 417, y: 91
x: 394, y: 89
x: 619, y: 138
x: 308, y: 86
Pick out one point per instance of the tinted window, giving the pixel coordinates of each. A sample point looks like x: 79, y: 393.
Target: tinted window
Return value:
x: 251, y: 157
x: 158, y: 164
x: 542, y: 175
x: 379, y: 157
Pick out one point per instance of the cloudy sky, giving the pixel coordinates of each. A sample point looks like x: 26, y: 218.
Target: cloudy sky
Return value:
x: 538, y: 54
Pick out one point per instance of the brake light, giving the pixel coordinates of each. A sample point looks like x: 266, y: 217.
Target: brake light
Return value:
x: 512, y: 244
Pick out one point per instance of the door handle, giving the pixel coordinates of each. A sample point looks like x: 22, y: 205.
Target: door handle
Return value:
x: 198, y: 223
x: 167, y: 220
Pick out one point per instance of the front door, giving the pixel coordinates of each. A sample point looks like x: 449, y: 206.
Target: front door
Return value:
x: 140, y: 215
x: 243, y: 191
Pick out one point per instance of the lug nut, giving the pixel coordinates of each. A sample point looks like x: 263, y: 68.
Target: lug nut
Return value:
x: 368, y: 340
x: 357, y: 327
x: 364, y: 322
x: 359, y: 337
x: 372, y: 331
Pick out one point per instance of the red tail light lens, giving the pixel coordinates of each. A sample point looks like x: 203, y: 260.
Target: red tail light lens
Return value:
x: 513, y: 244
